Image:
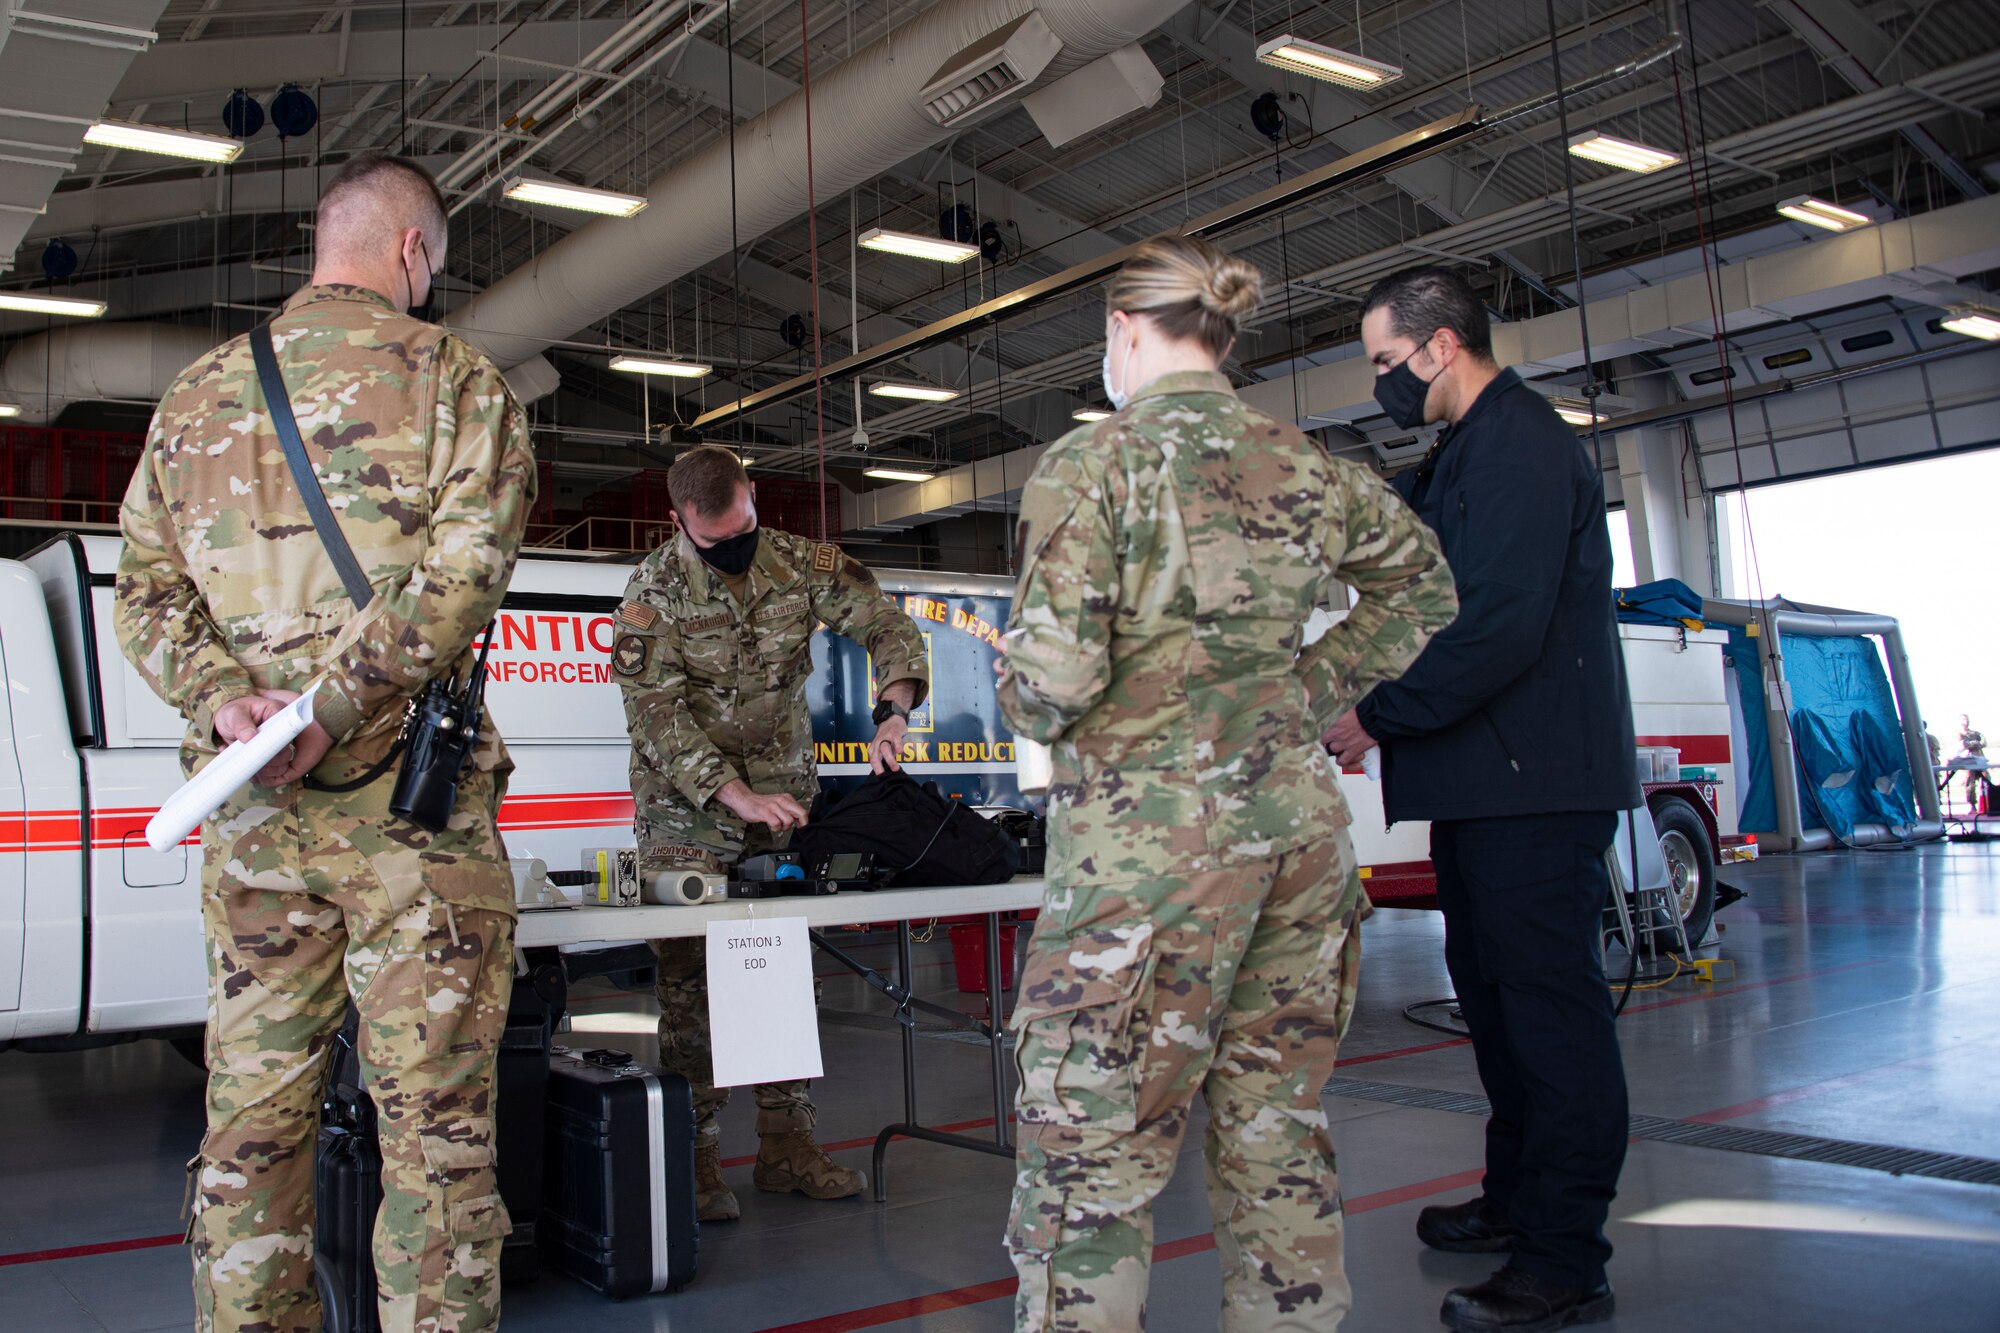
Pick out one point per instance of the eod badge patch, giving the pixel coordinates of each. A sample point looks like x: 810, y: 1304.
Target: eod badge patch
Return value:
x: 628, y: 655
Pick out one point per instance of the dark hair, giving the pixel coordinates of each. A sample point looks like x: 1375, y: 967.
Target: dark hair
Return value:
x: 1190, y: 288
x: 373, y: 171
x: 705, y: 479
x: 1420, y: 301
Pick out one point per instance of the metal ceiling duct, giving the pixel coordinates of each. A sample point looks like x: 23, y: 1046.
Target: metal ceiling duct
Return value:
x: 868, y: 115
x: 137, y: 362
x: 119, y: 362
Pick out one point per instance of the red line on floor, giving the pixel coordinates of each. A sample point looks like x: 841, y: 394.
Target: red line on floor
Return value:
x: 1721, y: 992
x: 1805, y: 1090
x: 1746, y: 1108
x: 1398, y: 1054
x: 961, y: 1127
x: 911, y: 1307
x: 1716, y: 993
x: 84, y: 1251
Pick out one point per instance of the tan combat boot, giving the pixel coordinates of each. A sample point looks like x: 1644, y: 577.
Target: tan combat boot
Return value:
x: 714, y: 1201
x: 789, y: 1158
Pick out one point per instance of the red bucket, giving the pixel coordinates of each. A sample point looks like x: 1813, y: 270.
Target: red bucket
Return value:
x: 968, y: 956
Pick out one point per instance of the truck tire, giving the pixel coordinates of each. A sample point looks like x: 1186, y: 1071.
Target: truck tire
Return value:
x: 1690, y: 858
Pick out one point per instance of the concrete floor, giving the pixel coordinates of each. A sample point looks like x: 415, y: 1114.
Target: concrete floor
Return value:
x: 1866, y: 1007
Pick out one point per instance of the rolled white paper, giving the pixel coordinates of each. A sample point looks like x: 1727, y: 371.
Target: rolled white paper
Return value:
x: 1034, y: 766
x: 203, y: 794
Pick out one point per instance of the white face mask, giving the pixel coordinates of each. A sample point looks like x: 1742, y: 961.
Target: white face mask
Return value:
x: 1117, y: 397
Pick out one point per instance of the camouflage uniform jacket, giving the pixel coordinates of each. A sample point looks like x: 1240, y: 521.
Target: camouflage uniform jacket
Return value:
x: 223, y: 586
x: 1170, y: 557
x: 716, y: 690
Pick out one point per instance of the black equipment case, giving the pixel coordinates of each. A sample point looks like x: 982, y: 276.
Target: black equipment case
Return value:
x: 347, y: 1193
x: 347, y: 1160
x: 619, y: 1209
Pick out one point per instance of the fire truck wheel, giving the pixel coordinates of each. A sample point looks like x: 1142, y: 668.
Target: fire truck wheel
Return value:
x: 1690, y: 858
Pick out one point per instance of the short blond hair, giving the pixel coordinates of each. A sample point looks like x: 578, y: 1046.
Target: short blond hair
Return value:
x: 1190, y: 288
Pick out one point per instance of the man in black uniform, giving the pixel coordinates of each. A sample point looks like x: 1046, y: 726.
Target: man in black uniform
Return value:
x: 1512, y: 734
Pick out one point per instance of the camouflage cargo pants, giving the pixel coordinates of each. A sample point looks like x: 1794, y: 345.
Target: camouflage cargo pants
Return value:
x: 681, y: 977
x: 308, y: 899
x: 1137, y: 994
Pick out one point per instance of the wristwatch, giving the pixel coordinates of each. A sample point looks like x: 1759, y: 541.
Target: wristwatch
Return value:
x: 888, y: 708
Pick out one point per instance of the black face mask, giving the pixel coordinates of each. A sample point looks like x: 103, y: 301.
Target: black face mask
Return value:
x: 424, y: 309
x: 731, y: 555
x: 1401, y: 393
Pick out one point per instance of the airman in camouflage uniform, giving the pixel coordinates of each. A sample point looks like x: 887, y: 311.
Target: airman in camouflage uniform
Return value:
x: 1200, y: 930
x: 714, y: 678
x: 225, y: 596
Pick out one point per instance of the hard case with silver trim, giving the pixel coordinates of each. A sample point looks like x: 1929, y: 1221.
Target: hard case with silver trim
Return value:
x: 618, y: 1211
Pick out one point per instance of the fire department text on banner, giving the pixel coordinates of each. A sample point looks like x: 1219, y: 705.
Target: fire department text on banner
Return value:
x: 763, y: 1025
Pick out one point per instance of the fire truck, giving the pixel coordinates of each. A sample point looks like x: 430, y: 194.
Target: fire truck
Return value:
x: 101, y: 936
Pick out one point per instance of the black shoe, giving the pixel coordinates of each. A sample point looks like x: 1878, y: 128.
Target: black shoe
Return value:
x: 1472, y: 1227
x: 1519, y: 1302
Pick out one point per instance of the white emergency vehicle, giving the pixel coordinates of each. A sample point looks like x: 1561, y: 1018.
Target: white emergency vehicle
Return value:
x: 101, y: 937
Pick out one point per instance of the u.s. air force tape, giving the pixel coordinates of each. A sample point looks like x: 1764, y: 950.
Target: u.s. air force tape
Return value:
x: 628, y: 655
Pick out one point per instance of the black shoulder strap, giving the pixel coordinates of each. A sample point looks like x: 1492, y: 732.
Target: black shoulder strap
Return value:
x: 287, y: 426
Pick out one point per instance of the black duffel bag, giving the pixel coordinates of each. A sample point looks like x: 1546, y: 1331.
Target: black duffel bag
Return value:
x: 925, y: 838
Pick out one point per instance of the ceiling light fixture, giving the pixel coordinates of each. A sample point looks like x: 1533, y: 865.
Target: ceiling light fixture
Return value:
x: 9, y: 410
x: 896, y: 474
x: 1973, y: 321
x: 648, y: 365
x: 912, y: 246
x: 1325, y: 62
x: 1090, y: 414
x: 922, y: 393
x: 29, y: 303
x: 1578, y: 413
x: 1819, y: 213
x: 1622, y: 153
x: 164, y: 141
x: 556, y: 194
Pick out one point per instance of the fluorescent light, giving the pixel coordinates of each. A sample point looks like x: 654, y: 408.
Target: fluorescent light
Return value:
x: 9, y: 410
x: 646, y: 365
x: 896, y: 474
x: 1325, y: 62
x: 31, y: 304
x: 1623, y: 153
x: 1090, y: 414
x: 166, y: 142
x: 1819, y: 213
x: 922, y: 393
x: 1576, y: 413
x: 580, y: 197
x: 917, y: 247
x: 1973, y: 322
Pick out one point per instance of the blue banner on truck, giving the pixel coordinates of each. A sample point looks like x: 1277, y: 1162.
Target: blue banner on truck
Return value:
x: 956, y: 738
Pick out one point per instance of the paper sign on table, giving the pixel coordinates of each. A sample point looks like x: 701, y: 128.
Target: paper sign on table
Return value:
x: 763, y: 1025
x: 229, y: 771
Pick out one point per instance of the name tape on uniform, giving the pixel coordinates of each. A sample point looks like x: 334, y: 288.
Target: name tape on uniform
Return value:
x: 763, y: 1024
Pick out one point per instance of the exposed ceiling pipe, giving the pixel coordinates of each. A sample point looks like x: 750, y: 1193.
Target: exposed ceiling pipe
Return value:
x: 46, y: 372
x: 137, y: 362
x: 1910, y: 259
x: 1357, y: 167
x: 868, y: 116
x: 602, y: 65
x: 1811, y: 22
x: 1903, y: 257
